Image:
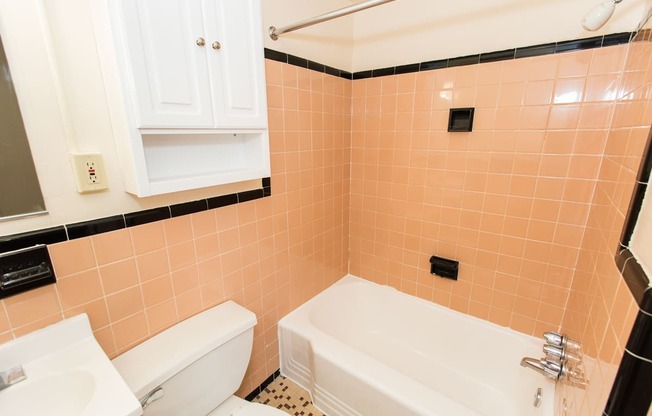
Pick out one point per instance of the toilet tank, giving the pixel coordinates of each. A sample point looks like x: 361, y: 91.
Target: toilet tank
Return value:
x: 198, y: 363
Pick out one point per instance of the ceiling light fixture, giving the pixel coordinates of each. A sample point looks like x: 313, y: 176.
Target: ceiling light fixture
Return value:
x: 599, y: 15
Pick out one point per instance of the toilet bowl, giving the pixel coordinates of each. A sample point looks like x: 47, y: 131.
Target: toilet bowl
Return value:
x: 195, y: 367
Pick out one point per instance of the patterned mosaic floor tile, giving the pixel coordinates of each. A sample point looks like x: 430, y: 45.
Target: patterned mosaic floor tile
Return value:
x: 289, y: 397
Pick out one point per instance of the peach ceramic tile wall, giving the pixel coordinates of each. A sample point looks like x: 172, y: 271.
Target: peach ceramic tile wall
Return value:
x: 509, y: 200
x: 269, y: 255
x: 601, y: 309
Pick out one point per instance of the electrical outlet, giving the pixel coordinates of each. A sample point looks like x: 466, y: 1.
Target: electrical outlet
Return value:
x: 89, y: 172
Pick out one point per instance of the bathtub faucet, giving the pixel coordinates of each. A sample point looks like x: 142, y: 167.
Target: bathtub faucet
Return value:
x: 548, y: 368
x: 556, y: 371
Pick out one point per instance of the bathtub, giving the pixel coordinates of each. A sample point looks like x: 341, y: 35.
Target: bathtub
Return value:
x: 364, y: 349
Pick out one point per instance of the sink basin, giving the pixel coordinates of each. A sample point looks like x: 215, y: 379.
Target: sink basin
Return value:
x: 67, y: 373
x: 50, y: 395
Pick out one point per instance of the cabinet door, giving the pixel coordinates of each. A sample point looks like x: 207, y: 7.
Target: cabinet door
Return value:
x: 169, y: 71
x: 237, y: 67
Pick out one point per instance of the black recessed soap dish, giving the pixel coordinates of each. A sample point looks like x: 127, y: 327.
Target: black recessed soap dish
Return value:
x: 460, y: 119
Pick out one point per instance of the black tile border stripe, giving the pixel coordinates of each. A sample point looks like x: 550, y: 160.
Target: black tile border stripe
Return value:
x: 630, y: 393
x: 507, y: 54
x: 285, y: 58
x: 263, y: 385
x: 187, y: 208
x: 149, y: 215
x: 89, y: 228
x: 634, y: 275
x: 31, y: 238
x: 92, y: 227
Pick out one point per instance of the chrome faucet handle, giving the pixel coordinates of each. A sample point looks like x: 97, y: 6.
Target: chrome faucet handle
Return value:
x: 561, y: 354
x: 554, y: 351
x: 552, y: 368
x: 553, y: 338
x: 561, y: 340
x: 11, y: 376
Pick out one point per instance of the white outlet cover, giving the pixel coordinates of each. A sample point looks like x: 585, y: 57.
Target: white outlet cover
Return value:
x: 89, y: 172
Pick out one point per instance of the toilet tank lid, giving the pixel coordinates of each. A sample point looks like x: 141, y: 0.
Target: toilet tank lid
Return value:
x: 156, y: 360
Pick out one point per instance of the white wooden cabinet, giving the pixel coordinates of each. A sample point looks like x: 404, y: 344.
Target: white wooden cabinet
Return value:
x: 195, y: 63
x: 193, y: 79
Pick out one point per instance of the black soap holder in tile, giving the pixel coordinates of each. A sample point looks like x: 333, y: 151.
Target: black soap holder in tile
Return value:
x: 25, y: 269
x: 444, y: 267
x: 460, y: 119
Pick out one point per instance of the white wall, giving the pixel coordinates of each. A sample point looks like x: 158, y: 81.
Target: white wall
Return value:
x: 409, y: 31
x: 55, y: 63
x: 328, y: 43
x: 445, y: 29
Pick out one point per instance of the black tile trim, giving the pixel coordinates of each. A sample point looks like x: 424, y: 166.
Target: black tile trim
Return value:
x: 536, y: 50
x: 222, y: 201
x: 92, y: 227
x: 263, y: 386
x: 187, y: 208
x: 508, y: 54
x: 633, y: 274
x: 250, y: 195
x: 297, y: 61
x: 133, y: 219
x: 617, y: 39
x: 464, y: 60
x: 631, y: 394
x: 116, y: 222
x: 316, y: 66
x: 276, y: 55
x: 640, y: 341
x: 362, y: 75
x: 285, y: 58
x: 497, y: 56
x: 345, y: 74
x: 383, y: 72
x: 634, y: 210
x: 579, y: 45
x: 430, y: 65
x: 31, y: 238
x: 406, y: 69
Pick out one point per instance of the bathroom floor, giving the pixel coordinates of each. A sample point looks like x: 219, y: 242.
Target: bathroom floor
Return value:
x: 289, y: 397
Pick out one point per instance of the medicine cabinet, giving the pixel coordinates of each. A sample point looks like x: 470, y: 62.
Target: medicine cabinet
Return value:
x: 192, y: 73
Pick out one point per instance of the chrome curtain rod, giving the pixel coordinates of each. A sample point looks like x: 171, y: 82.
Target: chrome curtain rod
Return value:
x: 274, y: 33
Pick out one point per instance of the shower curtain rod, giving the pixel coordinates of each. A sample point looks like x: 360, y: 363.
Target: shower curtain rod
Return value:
x: 274, y: 33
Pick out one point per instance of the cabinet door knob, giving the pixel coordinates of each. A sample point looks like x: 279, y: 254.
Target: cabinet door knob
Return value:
x: 217, y: 45
x: 200, y: 42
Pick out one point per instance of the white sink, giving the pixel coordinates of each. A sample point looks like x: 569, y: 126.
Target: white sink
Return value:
x: 67, y: 372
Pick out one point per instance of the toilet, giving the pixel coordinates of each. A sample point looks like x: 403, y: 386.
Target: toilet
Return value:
x: 195, y: 367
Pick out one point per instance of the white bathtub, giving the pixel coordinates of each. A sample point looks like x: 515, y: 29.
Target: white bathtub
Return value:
x: 365, y: 349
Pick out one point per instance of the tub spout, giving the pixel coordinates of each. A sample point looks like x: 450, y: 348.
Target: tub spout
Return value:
x: 547, y: 368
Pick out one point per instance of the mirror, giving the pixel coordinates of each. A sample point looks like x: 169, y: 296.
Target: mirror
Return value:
x: 20, y: 193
